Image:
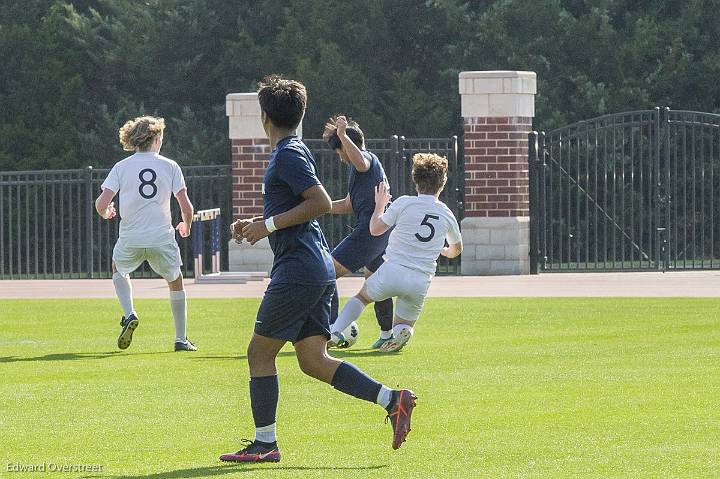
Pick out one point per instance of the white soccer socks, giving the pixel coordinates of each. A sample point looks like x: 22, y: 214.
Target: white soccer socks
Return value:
x: 123, y: 290
x: 398, y: 328
x: 178, y: 305
x: 384, y: 396
x: 352, y: 311
x: 266, y: 433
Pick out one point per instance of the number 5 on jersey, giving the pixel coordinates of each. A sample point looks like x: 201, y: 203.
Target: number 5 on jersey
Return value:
x: 145, y: 183
x: 425, y: 222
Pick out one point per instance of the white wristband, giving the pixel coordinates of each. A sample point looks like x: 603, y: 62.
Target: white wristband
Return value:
x: 270, y: 224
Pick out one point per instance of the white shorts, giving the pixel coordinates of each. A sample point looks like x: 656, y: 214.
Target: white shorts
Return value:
x: 408, y: 285
x: 164, y: 260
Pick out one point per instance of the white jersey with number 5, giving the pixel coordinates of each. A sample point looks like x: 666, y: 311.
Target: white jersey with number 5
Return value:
x: 422, y: 223
x: 145, y: 182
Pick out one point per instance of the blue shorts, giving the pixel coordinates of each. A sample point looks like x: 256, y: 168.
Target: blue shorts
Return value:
x: 360, y: 248
x: 293, y: 312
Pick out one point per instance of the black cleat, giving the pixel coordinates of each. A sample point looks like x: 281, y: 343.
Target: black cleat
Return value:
x: 185, y: 345
x: 128, y: 327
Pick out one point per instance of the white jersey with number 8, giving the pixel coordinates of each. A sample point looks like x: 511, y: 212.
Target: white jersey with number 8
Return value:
x: 422, y: 223
x: 145, y: 182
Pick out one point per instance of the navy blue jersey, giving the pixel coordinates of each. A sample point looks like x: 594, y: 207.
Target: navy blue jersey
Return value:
x: 362, y: 188
x: 301, y: 253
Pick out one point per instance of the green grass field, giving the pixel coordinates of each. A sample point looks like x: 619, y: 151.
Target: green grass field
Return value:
x: 546, y: 388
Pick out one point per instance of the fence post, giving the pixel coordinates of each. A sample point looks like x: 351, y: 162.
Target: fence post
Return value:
x: 669, y: 200
x: 395, y: 165
x: 533, y: 191
x: 542, y: 165
x: 459, y: 183
x: 89, y: 220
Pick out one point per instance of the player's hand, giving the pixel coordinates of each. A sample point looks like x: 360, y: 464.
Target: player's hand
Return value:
x: 329, y: 130
x: 110, y: 211
x: 341, y: 124
x: 237, y: 227
x: 254, y: 232
x: 382, y: 195
x: 184, y: 229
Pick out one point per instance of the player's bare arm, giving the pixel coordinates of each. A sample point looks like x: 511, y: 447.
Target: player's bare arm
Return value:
x: 104, y: 204
x: 186, y: 210
x: 452, y: 251
x: 354, y: 155
x: 382, y: 198
x: 316, y: 202
x: 342, y: 207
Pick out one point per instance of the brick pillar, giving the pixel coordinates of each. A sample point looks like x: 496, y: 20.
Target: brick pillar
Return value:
x: 250, y: 152
x: 497, y: 109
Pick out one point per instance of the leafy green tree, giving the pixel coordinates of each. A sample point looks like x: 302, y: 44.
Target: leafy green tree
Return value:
x: 75, y: 70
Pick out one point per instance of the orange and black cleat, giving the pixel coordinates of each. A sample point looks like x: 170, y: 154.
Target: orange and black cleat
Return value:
x: 399, y: 413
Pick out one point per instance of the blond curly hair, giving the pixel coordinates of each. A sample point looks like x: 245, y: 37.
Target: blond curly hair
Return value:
x: 429, y: 172
x: 139, y: 133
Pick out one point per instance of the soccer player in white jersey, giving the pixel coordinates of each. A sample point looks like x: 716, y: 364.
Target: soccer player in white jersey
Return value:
x: 422, y: 224
x: 145, y: 182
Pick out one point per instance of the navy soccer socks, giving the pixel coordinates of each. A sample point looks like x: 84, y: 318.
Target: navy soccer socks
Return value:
x: 264, y: 393
x: 384, y: 314
x: 351, y: 380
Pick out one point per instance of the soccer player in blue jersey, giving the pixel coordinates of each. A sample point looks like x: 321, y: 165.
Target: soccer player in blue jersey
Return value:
x: 296, y: 305
x: 360, y: 249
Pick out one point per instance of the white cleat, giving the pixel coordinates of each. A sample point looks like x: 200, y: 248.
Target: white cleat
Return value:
x: 337, y: 340
x: 397, y: 342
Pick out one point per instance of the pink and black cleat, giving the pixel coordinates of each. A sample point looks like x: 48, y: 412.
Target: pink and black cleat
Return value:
x: 399, y: 415
x: 254, y: 452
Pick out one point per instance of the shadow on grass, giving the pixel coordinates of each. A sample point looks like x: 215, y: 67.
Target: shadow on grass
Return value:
x: 74, y: 356
x: 336, y: 353
x: 281, y: 354
x: 357, y: 353
x: 235, y: 469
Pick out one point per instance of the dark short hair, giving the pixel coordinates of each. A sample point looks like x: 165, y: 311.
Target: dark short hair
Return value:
x: 429, y: 172
x: 353, y: 132
x: 282, y: 100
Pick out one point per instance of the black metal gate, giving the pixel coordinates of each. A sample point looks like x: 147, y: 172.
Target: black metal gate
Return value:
x: 49, y: 228
x: 632, y: 191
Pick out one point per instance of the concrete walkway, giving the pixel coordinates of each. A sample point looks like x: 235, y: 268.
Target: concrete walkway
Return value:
x: 675, y: 284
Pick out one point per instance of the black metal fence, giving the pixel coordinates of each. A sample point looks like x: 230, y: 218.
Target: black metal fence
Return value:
x: 630, y: 191
x: 395, y: 154
x: 49, y: 228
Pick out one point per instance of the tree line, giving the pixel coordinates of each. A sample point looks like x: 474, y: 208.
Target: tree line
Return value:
x: 74, y: 71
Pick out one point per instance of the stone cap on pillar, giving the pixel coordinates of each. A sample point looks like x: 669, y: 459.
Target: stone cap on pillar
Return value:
x: 243, y: 112
x: 497, y: 93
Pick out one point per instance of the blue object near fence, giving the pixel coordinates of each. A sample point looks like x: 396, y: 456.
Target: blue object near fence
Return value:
x: 200, y: 219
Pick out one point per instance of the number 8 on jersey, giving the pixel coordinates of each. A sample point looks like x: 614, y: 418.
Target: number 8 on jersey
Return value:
x: 144, y: 183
